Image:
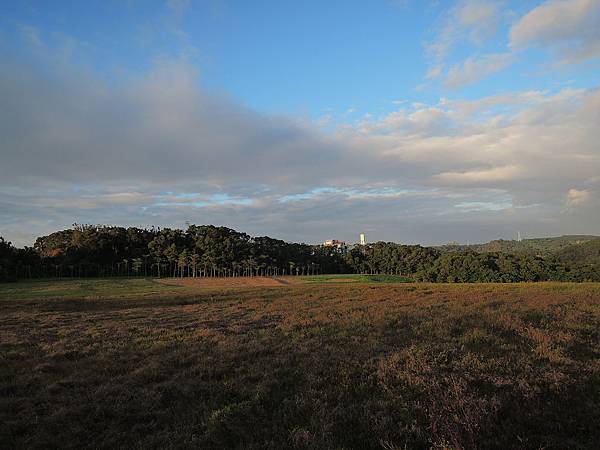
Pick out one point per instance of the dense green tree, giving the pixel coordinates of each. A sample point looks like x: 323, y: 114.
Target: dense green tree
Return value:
x: 207, y: 250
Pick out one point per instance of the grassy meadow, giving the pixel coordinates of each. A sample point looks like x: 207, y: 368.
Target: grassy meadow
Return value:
x: 356, y: 278
x: 299, y: 363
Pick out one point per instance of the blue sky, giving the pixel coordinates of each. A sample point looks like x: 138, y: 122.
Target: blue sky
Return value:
x: 446, y: 119
x: 308, y: 57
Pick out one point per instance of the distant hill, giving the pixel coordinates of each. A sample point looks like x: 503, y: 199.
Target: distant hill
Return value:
x: 569, y: 247
x: 577, y: 254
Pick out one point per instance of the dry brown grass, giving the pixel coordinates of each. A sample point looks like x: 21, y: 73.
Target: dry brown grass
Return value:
x: 305, y: 366
x: 231, y: 282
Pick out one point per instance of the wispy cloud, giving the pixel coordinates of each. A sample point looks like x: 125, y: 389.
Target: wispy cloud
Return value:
x: 568, y: 28
x: 468, y: 20
x: 486, y: 177
x: 577, y: 197
x: 475, y: 69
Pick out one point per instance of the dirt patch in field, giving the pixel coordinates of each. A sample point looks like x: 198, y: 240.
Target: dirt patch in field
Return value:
x: 230, y: 282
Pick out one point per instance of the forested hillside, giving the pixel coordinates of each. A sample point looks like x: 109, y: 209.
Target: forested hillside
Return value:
x: 210, y: 251
x: 580, y: 254
x: 544, y: 247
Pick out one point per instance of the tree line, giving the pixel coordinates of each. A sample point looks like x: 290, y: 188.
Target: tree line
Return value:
x: 211, y: 251
x: 198, y: 251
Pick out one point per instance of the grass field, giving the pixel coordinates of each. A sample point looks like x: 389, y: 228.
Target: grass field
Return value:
x: 355, y: 278
x: 87, y: 289
x: 299, y: 364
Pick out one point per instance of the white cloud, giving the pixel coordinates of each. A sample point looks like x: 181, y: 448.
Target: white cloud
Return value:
x: 158, y: 149
x: 469, y: 20
x: 475, y: 69
x: 576, y: 197
x: 435, y: 72
x: 532, y: 144
x: 482, y: 176
x: 423, y: 120
x: 479, y: 16
x: 570, y: 28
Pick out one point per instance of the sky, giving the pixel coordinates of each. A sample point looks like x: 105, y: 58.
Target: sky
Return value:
x: 410, y: 121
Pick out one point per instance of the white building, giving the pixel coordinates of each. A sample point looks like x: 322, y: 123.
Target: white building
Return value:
x: 334, y: 243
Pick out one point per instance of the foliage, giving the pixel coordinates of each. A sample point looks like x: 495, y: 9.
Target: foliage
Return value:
x: 210, y: 251
x: 543, y: 247
x: 390, y: 258
x: 7, y: 255
x: 16, y: 260
x: 472, y: 267
x: 586, y: 253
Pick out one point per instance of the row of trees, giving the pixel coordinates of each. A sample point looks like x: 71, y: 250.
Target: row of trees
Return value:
x: 429, y: 264
x: 469, y: 267
x: 198, y: 251
x: 209, y: 251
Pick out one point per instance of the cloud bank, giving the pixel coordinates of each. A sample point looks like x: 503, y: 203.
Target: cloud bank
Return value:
x: 159, y: 149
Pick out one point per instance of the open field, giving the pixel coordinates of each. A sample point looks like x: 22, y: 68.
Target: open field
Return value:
x: 136, y: 287
x: 88, y: 289
x: 356, y: 278
x: 238, y: 282
x: 298, y: 364
x: 282, y: 280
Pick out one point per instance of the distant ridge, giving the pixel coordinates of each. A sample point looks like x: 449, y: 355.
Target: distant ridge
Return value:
x: 582, y: 254
x: 544, y: 247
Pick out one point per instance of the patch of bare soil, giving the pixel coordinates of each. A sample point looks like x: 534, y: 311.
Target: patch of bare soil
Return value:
x: 230, y: 282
